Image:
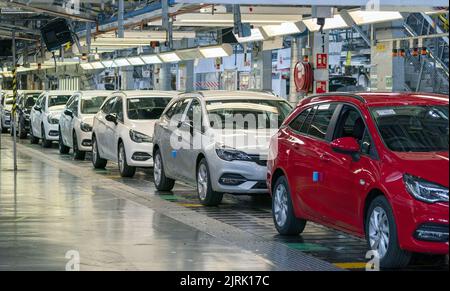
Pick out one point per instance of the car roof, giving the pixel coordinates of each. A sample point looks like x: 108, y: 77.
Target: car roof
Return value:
x: 59, y: 92
x: 90, y: 93
x: 230, y: 95
x: 382, y: 98
x: 147, y: 93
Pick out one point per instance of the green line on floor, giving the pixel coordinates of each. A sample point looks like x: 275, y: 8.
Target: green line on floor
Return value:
x: 169, y: 197
x: 307, y: 247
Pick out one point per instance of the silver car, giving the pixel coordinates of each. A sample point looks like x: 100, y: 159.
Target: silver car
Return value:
x: 217, y: 141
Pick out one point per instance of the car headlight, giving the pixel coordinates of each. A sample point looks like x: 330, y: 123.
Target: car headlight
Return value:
x: 140, y: 137
x: 229, y: 155
x: 52, y: 119
x: 425, y: 191
x: 86, y: 127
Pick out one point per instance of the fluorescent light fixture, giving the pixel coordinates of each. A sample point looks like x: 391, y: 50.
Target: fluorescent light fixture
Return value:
x: 171, y: 57
x: 151, y: 59
x: 368, y: 17
x: 189, y: 54
x: 330, y: 23
x: 97, y: 65
x: 285, y: 28
x: 255, y: 36
x: 224, y: 50
x: 136, y: 61
x: 121, y: 62
x: 86, y: 66
x: 108, y: 64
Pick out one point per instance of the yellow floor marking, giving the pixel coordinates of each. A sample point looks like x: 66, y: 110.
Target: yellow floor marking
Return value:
x: 190, y: 205
x: 355, y: 265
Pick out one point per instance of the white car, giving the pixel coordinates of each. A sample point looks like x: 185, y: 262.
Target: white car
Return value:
x: 45, y: 116
x: 123, y: 129
x: 6, y: 103
x: 75, y: 124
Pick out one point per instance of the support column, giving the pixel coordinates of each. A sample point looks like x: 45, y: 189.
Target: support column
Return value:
x: 120, y: 30
x: 266, y: 72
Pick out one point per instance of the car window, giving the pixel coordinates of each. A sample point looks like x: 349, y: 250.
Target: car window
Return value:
x: 194, y: 111
x: 146, y: 108
x: 305, y: 126
x: 73, y: 104
x: 57, y: 100
x: 118, y: 109
x: 178, y: 110
x: 107, y: 107
x: 91, y: 105
x: 297, y: 123
x: 321, y: 121
x: 70, y: 101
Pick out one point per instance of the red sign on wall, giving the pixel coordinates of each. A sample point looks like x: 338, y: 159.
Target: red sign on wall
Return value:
x: 321, y: 87
x: 322, y: 61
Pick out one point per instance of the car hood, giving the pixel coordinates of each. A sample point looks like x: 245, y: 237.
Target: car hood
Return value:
x: 57, y: 109
x: 144, y: 126
x: 249, y: 141
x: 89, y: 119
x: 433, y: 167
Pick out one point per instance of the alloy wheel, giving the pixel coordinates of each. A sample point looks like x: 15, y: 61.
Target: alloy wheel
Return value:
x: 121, y: 158
x: 379, y: 231
x: 202, y: 182
x: 157, y: 169
x: 281, y: 205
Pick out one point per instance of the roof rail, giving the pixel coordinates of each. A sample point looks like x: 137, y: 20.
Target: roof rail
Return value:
x: 271, y: 92
x: 355, y: 96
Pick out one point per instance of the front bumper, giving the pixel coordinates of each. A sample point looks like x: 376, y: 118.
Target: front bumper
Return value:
x: 52, y: 132
x: 421, y: 227
x: 139, y: 154
x: 84, y: 141
x: 250, y: 176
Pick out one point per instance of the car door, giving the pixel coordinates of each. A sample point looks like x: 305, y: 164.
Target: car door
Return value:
x: 174, y: 140
x: 111, y: 130
x: 190, y: 131
x: 346, y: 180
x: 101, y: 124
x: 65, y: 121
x: 303, y: 168
x: 36, y: 116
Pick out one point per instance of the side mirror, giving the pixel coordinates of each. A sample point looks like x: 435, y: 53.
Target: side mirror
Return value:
x: 347, y: 146
x: 111, y: 118
x: 38, y: 108
x: 68, y: 113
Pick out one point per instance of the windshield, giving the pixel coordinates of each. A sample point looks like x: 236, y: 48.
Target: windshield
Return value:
x: 30, y: 100
x: 9, y: 102
x: 413, y: 128
x: 146, y: 108
x: 91, y: 105
x: 247, y: 114
x: 57, y: 100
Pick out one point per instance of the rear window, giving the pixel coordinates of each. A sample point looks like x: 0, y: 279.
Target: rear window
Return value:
x: 146, y: 108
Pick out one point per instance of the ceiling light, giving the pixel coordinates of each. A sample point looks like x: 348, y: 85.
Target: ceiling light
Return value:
x: 151, y: 59
x: 170, y: 57
x: 136, y: 61
x: 86, y: 66
x: 255, y: 36
x: 108, y: 64
x: 368, y: 17
x: 121, y: 62
x: 286, y: 28
x: 224, y: 50
x: 97, y: 65
x: 189, y: 54
x: 330, y: 23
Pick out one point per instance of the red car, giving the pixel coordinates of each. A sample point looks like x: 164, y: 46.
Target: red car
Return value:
x: 372, y: 164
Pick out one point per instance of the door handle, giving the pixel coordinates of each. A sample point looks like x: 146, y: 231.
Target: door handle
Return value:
x: 325, y: 158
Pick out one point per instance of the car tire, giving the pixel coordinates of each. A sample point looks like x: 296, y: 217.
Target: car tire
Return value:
x: 77, y: 154
x: 45, y: 143
x: 63, y: 149
x: 22, y: 131
x: 392, y: 256
x: 205, y: 192
x: 283, y: 213
x: 97, y: 161
x: 162, y: 183
x: 125, y: 170
x: 33, y: 139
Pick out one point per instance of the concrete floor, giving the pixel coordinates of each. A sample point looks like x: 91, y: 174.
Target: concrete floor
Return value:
x: 55, y: 206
